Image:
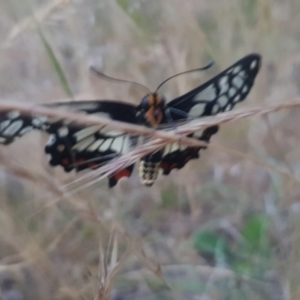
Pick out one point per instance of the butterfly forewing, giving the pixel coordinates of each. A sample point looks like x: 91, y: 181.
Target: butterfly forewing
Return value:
x: 75, y: 146
x: 219, y: 94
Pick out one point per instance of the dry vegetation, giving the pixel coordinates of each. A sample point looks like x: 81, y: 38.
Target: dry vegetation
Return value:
x: 224, y: 227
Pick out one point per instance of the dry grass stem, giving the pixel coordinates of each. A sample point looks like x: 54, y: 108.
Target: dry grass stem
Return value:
x: 169, y: 136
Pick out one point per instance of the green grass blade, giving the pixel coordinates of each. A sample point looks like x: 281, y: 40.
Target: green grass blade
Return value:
x: 56, y: 65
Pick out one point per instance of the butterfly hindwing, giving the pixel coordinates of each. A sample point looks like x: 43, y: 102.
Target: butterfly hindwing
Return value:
x: 219, y: 94
x: 176, y: 156
x: 113, y: 180
x: 86, y: 147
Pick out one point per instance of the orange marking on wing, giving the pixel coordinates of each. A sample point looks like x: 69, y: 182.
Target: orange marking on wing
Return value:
x: 93, y: 165
x: 79, y: 160
x: 121, y: 174
x: 65, y: 162
x: 173, y: 166
x: 187, y: 159
x: 166, y: 167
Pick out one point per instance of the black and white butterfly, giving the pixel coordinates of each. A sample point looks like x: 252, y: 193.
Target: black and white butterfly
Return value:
x: 82, y: 147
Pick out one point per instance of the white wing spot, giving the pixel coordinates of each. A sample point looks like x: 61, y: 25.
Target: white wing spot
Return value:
x: 228, y: 107
x: 237, y: 98
x: 63, y: 131
x: 102, y: 115
x: 198, y: 134
x: 237, y: 69
x: 79, y: 135
x: 95, y: 145
x: 2, y: 140
x: 61, y: 148
x: 253, y: 64
x: 215, y: 109
x: 224, y: 86
x: 197, y: 110
x: 4, y: 124
x: 13, y: 128
x: 80, y: 106
x: 109, y: 131
x: 167, y: 149
x: 222, y: 101
x: 126, y: 145
x: 114, y: 133
x: 208, y: 94
x: 174, y: 147
x: 118, y: 144
x: 182, y: 147
x: 84, y: 143
x: 245, y: 89
x: 238, y: 81
x: 25, y: 130
x: 51, y: 140
x: 242, y: 74
x: 13, y: 114
x: 232, y: 92
x: 105, y: 146
x: 38, y: 122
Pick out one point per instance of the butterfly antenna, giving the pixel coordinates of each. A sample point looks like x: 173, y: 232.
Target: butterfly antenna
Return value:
x: 185, y: 72
x: 100, y: 74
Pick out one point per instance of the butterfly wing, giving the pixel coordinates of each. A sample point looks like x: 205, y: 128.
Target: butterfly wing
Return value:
x: 75, y: 146
x: 219, y: 94
x: 15, y: 124
x: 176, y: 156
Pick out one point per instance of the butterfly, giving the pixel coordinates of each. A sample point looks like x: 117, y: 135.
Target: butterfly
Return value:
x: 78, y: 147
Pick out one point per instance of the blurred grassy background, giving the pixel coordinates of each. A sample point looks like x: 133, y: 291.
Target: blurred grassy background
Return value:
x: 224, y: 227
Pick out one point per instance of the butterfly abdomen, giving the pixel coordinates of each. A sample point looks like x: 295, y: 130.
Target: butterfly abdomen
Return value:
x: 148, y: 172
x: 149, y: 167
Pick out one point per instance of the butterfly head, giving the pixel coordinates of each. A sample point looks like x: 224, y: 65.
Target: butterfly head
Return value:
x: 153, y: 106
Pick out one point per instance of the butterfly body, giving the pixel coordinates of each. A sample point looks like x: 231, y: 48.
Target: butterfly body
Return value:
x: 151, y: 112
x: 78, y: 147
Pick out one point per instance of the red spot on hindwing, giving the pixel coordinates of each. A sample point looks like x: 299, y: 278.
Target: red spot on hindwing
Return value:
x: 167, y: 168
x: 121, y: 174
x: 93, y: 165
x: 113, y: 180
x: 65, y: 162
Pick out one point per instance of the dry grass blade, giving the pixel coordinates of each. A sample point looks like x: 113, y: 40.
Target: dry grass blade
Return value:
x: 168, y: 136
x: 107, y: 273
